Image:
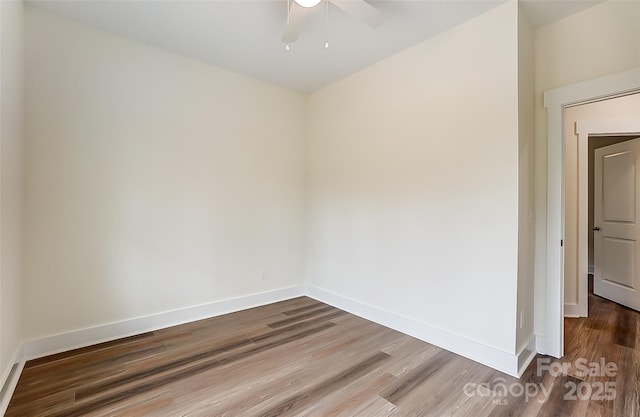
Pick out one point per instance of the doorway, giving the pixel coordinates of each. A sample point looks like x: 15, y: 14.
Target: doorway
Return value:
x: 585, y: 124
x: 550, y: 335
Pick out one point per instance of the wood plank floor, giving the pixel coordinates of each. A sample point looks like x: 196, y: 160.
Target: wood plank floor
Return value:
x: 304, y: 358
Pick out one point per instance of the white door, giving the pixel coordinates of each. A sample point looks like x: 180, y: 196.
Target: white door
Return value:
x: 616, y: 216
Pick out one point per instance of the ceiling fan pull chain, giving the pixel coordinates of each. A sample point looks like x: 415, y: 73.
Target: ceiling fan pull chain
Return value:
x: 326, y: 24
x: 287, y: 47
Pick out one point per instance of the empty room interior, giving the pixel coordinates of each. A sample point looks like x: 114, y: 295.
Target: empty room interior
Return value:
x: 319, y: 208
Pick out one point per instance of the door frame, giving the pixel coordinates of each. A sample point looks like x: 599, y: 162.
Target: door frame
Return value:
x: 586, y: 129
x: 551, y: 341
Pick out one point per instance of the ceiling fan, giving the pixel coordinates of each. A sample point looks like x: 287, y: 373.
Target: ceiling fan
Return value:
x: 359, y: 9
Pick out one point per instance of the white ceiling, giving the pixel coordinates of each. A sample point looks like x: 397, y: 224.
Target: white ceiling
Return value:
x: 244, y: 36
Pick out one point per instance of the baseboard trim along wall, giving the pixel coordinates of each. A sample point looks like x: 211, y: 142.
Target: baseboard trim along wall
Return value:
x: 476, y: 351
x: 512, y: 364
x: 542, y: 346
x: 526, y: 355
x: 10, y: 379
x: 49, y: 345
x: 571, y: 310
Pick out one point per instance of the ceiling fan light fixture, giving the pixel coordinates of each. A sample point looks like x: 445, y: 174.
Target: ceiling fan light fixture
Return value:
x: 308, y: 3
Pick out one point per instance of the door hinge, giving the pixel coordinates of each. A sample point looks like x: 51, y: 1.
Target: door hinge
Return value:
x: 561, y: 242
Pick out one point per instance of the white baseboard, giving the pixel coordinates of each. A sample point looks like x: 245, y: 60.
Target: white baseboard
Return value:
x: 541, y: 344
x: 512, y: 364
x: 50, y: 345
x: 10, y: 378
x: 526, y: 355
x: 571, y: 310
x: 574, y: 310
x: 544, y: 348
x: 476, y: 351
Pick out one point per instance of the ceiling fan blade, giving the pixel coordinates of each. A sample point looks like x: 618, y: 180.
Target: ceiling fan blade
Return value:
x: 362, y: 10
x: 294, y: 24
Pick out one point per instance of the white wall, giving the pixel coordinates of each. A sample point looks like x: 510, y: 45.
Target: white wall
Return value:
x: 11, y: 120
x: 153, y: 182
x: 618, y: 108
x: 602, y: 40
x: 413, y: 182
x: 526, y: 178
x: 419, y: 187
